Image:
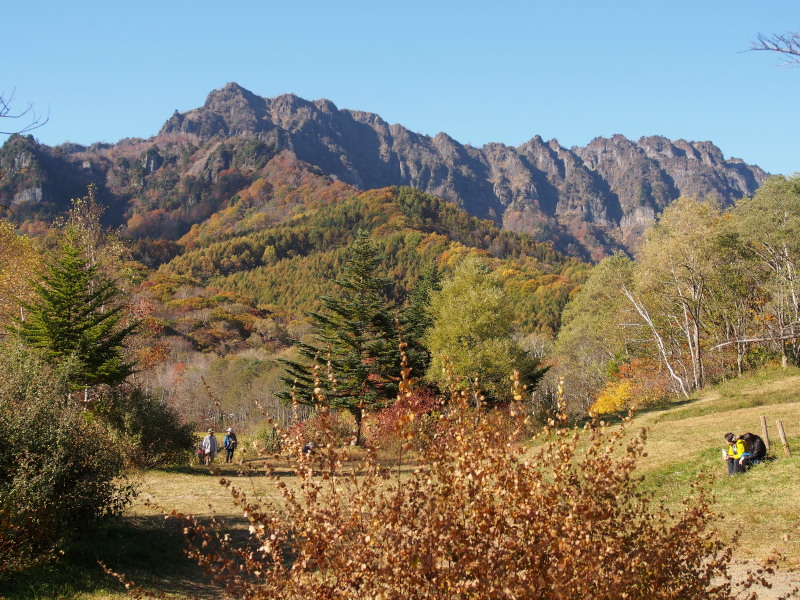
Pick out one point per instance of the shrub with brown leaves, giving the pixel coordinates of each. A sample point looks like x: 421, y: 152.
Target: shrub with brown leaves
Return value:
x: 480, y: 516
x: 411, y: 420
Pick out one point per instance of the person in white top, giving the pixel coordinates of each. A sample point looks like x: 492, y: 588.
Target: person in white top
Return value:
x: 210, y: 447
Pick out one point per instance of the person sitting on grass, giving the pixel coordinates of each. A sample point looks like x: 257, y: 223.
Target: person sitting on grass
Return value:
x: 736, y: 455
x: 755, y: 446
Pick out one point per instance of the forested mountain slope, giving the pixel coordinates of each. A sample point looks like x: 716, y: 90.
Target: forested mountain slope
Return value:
x: 288, y: 266
x: 242, y: 288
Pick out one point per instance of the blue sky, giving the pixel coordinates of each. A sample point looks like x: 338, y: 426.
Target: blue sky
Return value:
x: 482, y: 72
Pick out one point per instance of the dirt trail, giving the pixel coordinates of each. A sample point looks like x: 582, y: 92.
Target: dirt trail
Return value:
x: 783, y: 582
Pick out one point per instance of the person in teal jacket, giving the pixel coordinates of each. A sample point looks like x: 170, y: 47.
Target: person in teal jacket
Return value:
x: 736, y: 455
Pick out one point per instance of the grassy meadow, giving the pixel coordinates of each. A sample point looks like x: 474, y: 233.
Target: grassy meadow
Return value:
x: 684, y: 441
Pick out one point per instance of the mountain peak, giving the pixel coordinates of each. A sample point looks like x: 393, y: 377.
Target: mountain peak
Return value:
x: 230, y: 110
x: 233, y: 97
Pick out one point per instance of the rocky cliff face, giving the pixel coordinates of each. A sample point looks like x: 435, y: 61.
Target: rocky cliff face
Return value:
x: 590, y: 201
x: 596, y: 199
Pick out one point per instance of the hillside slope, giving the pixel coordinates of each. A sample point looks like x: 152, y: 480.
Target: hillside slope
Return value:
x: 292, y: 264
x: 684, y: 442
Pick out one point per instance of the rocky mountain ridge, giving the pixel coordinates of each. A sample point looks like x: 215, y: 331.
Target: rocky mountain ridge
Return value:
x: 589, y: 201
x: 610, y: 190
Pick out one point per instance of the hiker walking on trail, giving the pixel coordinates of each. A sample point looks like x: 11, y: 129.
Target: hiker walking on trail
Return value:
x: 210, y: 447
x: 229, y: 443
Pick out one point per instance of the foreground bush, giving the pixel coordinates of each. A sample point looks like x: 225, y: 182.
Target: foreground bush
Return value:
x: 479, y: 517
x: 58, y: 468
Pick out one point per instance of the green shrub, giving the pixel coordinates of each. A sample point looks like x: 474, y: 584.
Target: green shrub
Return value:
x: 146, y: 431
x: 58, y: 467
x: 326, y: 427
x: 267, y: 438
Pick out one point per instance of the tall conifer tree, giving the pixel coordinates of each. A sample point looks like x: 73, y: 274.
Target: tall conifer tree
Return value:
x: 76, y: 312
x: 416, y: 319
x: 356, y: 349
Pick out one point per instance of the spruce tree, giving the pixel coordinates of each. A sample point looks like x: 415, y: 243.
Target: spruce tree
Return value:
x: 355, y: 353
x: 76, y: 312
x: 416, y: 319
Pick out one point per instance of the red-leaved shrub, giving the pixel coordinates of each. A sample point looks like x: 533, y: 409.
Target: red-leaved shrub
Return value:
x: 411, y: 420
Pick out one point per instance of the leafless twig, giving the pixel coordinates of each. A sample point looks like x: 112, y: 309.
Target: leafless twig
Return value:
x: 28, y: 113
x: 786, y: 44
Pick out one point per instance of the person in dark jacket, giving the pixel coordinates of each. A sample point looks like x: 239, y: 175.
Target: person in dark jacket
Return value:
x: 755, y: 446
x: 229, y: 443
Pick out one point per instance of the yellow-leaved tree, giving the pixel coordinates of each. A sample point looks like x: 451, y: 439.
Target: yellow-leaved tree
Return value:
x: 614, y: 397
x: 19, y: 261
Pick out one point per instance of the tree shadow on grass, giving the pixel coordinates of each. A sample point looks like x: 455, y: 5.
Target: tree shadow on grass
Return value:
x: 617, y: 418
x: 280, y: 467
x: 147, y: 550
x: 230, y: 470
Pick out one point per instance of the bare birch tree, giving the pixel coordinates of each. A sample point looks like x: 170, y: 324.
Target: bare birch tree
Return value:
x: 769, y: 224
x: 676, y: 266
x: 27, y: 117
